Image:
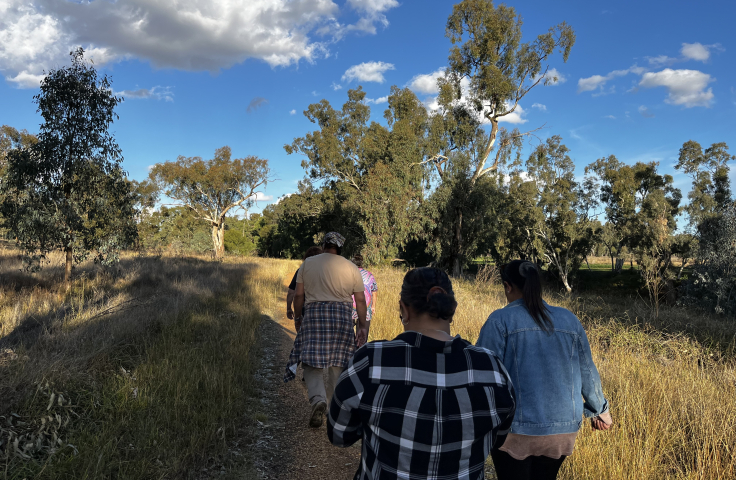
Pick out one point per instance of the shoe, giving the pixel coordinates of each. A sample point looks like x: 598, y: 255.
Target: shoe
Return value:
x: 315, y: 421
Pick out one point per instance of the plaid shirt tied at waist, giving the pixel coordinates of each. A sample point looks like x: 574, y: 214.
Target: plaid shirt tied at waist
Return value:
x: 326, y: 339
x: 425, y: 409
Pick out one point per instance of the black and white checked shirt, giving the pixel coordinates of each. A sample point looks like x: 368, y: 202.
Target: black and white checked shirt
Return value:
x: 425, y: 409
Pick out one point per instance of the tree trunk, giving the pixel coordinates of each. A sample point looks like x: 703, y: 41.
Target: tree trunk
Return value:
x: 218, y: 239
x: 568, y: 288
x: 68, y: 267
x: 457, y: 269
x: 586, y: 262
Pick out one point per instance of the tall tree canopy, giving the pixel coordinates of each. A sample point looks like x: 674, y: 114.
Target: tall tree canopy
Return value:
x: 711, y: 192
x: 212, y: 188
x: 489, y: 72
x: 68, y: 191
x: 369, y: 175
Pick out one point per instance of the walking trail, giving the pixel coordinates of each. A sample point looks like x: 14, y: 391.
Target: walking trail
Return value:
x: 285, y: 447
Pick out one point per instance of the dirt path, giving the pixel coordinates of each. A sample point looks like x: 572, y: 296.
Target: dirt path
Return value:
x: 286, y: 448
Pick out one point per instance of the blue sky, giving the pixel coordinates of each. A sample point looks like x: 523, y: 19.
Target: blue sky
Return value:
x: 642, y: 78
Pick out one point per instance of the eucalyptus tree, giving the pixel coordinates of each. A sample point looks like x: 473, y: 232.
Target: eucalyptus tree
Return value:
x: 68, y: 190
x: 490, y: 71
x: 12, y: 139
x: 567, y: 232
x: 369, y: 169
x: 211, y: 189
x: 617, y: 189
x: 711, y: 191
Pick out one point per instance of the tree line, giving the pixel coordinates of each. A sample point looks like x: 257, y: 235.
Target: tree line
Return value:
x: 439, y: 185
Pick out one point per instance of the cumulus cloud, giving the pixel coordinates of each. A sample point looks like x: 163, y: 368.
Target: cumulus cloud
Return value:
x: 515, y: 118
x: 426, y: 83
x: 367, y: 72
x: 552, y: 77
x: 597, y: 82
x: 540, y: 106
x: 696, y: 51
x: 157, y: 93
x: 192, y: 35
x: 685, y: 87
x: 645, y: 112
x: 376, y: 101
x: 336, y: 86
x: 255, y: 104
x: 292, y: 112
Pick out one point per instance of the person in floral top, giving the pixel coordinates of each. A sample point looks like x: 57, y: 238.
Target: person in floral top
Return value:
x: 371, y: 289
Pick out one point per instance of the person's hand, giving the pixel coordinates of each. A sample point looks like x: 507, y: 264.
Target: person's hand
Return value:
x: 297, y: 323
x: 361, y: 336
x: 290, y: 314
x: 598, y: 424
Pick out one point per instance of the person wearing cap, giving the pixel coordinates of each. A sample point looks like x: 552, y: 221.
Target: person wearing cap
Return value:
x: 325, y: 287
x: 547, y: 354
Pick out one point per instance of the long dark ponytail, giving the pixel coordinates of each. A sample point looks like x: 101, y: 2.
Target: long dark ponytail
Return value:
x: 525, y: 276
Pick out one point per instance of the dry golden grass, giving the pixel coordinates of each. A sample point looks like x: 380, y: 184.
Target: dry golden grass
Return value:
x: 155, y: 358
x: 673, y: 399
x: 152, y: 361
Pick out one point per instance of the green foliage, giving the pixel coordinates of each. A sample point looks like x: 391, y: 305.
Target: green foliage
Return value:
x: 370, y: 177
x: 713, y: 282
x: 212, y: 188
x: 68, y: 191
x: 711, y: 192
x: 175, y: 229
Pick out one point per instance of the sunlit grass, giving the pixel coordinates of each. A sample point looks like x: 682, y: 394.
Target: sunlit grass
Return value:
x: 156, y: 358
x: 673, y: 399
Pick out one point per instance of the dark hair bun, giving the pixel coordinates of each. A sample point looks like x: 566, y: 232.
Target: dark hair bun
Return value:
x: 429, y: 290
x: 441, y: 305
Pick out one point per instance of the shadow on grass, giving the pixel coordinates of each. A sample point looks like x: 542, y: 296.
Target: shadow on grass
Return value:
x: 156, y: 359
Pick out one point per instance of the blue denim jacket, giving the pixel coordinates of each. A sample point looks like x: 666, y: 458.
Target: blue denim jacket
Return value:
x: 553, y: 374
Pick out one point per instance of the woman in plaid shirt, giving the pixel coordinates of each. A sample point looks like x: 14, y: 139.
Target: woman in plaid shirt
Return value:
x: 427, y: 405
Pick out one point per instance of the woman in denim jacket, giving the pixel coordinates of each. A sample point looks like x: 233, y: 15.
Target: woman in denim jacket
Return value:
x: 547, y: 355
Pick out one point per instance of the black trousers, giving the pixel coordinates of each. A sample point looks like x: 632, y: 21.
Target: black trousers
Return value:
x: 531, y: 468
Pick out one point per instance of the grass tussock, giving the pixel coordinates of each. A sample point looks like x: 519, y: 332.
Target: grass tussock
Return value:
x: 141, y: 372
x: 673, y: 396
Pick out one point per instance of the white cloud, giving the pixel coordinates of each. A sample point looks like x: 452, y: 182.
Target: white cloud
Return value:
x: 696, y: 51
x: 336, y: 86
x: 610, y: 116
x: 367, y: 72
x: 292, y: 112
x: 158, y: 93
x: 685, y: 87
x: 261, y: 197
x: 540, y: 106
x: 515, y: 118
x: 645, y: 112
x: 426, y: 83
x: 255, y: 104
x: 373, y: 11
x: 376, y: 101
x: 192, y: 35
x: 552, y: 77
x: 597, y: 82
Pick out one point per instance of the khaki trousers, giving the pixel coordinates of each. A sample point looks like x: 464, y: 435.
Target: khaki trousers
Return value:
x: 318, y: 389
